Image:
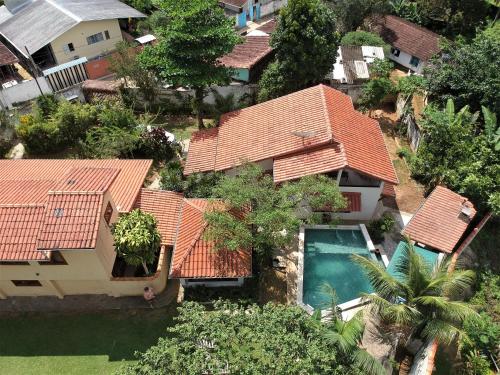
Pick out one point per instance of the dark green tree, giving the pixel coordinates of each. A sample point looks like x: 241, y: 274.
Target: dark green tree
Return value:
x: 362, y: 38
x: 189, y: 47
x: 305, y: 42
x: 349, y: 14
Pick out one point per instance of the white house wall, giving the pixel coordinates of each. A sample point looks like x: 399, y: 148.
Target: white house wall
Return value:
x: 404, y: 59
x: 369, y: 200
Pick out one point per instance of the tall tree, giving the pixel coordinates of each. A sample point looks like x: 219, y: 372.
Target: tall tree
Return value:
x: 349, y: 14
x: 247, y: 340
x: 136, y: 238
x: 468, y: 72
x: 272, y: 214
x: 421, y: 300
x: 189, y: 47
x: 305, y: 42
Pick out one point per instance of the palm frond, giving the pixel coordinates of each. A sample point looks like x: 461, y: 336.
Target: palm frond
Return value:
x: 384, y: 284
x: 416, y: 270
x: 394, y: 313
x: 457, y: 282
x: 367, y: 364
x: 346, y: 334
x: 441, y: 331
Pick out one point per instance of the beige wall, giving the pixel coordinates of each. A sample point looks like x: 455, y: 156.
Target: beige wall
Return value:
x: 78, y: 36
x: 86, y: 272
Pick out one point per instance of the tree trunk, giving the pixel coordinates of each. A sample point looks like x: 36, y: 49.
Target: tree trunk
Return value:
x: 197, y: 106
x: 144, y: 265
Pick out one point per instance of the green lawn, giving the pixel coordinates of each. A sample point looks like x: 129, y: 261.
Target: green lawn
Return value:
x: 71, y: 344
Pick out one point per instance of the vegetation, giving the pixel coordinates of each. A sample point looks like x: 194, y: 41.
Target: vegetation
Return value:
x: 420, y: 301
x: 444, y: 156
x: 377, y: 228
x: 362, y: 38
x: 189, y: 47
x: 468, y: 73
x: 349, y: 14
x: 136, y: 238
x: 305, y: 42
x: 272, y: 214
x: 243, y: 340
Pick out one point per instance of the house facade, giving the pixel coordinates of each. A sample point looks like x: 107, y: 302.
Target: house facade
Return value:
x: 54, y: 32
x: 313, y: 131
x: 412, y: 46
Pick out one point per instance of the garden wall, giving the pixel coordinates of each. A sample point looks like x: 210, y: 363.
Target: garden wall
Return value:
x: 23, y: 91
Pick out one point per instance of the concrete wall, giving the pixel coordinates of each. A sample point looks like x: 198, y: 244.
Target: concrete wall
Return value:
x: 404, y: 59
x: 23, y: 91
x: 78, y: 36
x: 369, y: 200
x: 268, y: 7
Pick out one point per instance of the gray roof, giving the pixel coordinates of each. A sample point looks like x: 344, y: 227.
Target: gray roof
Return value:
x: 42, y: 21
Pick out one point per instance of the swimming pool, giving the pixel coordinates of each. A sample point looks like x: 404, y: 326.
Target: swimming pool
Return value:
x: 326, y: 260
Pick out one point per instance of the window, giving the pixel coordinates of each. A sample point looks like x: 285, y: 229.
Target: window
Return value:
x: 414, y: 61
x: 56, y: 258
x: 71, y: 47
x: 395, y: 52
x: 96, y: 38
x: 26, y: 283
x: 108, y: 213
x: 14, y: 264
x: 106, y: 34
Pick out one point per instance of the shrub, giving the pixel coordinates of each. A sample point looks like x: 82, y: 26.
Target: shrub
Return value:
x: 45, y: 106
x: 39, y: 137
x: 116, y: 115
x: 378, y: 227
x: 5, y: 146
x: 109, y: 142
x: 362, y: 38
x: 200, y: 185
x: 155, y: 144
x: 171, y: 177
x: 73, y: 121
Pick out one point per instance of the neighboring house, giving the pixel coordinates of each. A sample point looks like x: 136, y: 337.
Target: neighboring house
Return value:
x: 351, y: 66
x: 195, y: 260
x: 441, y: 223
x: 54, y: 32
x: 265, y: 29
x: 411, y: 45
x: 55, y: 231
x: 241, y: 10
x: 249, y: 59
x: 316, y: 130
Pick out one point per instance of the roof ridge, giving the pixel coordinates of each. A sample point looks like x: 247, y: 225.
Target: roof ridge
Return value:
x: 26, y: 205
x: 64, y: 10
x: 412, y: 24
x: 325, y: 111
x: 82, y: 192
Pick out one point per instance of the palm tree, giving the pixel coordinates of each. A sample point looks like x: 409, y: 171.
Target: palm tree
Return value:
x: 420, y: 301
x: 346, y: 335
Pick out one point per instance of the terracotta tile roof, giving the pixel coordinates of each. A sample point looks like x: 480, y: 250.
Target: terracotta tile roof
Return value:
x: 289, y: 125
x: 388, y: 190
x: 268, y: 27
x: 248, y: 53
x: 24, y: 192
x: 71, y: 221
x: 166, y: 207
x: 439, y: 222
x: 194, y: 257
x: 321, y: 160
x: 6, y: 56
x: 19, y: 228
x: 406, y: 36
x: 124, y: 188
x: 87, y: 180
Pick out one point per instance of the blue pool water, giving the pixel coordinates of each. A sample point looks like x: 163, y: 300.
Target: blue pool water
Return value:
x: 327, y: 260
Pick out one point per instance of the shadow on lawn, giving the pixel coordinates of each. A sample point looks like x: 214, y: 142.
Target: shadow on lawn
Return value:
x: 115, y: 334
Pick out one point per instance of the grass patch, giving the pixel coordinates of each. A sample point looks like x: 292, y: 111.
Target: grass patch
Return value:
x: 74, y: 344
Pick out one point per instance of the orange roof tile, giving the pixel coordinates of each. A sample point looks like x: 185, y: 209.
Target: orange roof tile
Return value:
x: 87, y: 180
x: 294, y: 124
x: 71, y: 221
x: 321, y: 160
x: 24, y: 192
x: 166, y: 207
x: 195, y: 257
x: 19, y: 228
x: 248, y: 53
x: 439, y: 222
x: 388, y: 190
x: 124, y: 188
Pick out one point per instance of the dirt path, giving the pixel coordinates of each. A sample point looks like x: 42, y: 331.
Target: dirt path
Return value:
x: 409, y: 194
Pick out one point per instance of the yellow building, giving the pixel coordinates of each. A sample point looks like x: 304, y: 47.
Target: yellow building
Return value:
x: 54, y: 32
x: 55, y: 219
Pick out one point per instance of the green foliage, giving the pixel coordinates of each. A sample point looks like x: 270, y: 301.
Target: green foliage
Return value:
x: 45, y: 105
x: 487, y: 296
x: 171, y: 177
x: 455, y: 153
x: 404, y: 152
x: 305, y: 43
x: 407, y: 9
x: 39, y: 137
x: 420, y: 300
x: 136, y: 238
x: 189, y: 46
x: 381, y: 68
x: 476, y: 363
x: 109, y: 142
x: 468, y: 73
x: 5, y: 146
x: 374, y: 92
x: 362, y: 38
x: 145, y: 6
x: 272, y: 214
x: 200, y: 185
x: 378, y: 227
x: 273, y: 339
x: 114, y: 114
x: 482, y: 333
x: 155, y: 144
x: 411, y: 85
x: 73, y: 120
x: 349, y: 14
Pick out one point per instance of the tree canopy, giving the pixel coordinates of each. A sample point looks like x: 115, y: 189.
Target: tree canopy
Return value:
x: 190, y: 45
x: 468, y: 72
x: 305, y: 42
x: 272, y: 214
x: 273, y: 339
x: 349, y: 14
x: 362, y: 38
x: 459, y: 152
x: 136, y: 238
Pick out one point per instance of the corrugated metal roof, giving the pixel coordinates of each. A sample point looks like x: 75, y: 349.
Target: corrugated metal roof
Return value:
x: 42, y: 21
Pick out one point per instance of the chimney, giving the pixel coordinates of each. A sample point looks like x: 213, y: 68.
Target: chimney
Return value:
x: 466, y: 209
x: 16, y: 5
